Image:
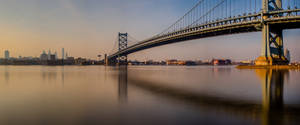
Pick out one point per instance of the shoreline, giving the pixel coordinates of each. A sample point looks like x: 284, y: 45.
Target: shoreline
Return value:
x: 278, y: 67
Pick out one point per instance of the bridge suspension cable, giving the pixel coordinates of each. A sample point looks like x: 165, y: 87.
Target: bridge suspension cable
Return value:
x: 115, y: 47
x: 225, y: 15
x: 131, y: 40
x: 195, y: 22
x: 206, y: 11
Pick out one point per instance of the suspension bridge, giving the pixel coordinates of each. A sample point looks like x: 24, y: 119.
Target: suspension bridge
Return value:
x: 210, y: 18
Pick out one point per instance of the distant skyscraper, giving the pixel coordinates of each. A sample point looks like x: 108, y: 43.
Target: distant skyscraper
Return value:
x: 63, y: 53
x: 6, y: 54
x: 49, y: 54
x: 52, y: 57
x: 55, y: 55
x: 66, y: 55
x: 287, y: 54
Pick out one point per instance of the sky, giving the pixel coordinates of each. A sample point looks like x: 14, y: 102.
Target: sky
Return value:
x: 87, y: 28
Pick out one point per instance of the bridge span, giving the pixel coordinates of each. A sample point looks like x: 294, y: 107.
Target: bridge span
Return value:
x: 271, y: 20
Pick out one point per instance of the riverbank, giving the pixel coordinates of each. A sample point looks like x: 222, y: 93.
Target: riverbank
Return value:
x: 290, y: 67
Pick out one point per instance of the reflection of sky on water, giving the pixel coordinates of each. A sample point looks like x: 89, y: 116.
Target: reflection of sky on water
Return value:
x: 6, y: 74
x: 271, y: 111
x: 153, y: 95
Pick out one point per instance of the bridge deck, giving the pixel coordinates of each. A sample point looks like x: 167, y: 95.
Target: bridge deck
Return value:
x: 288, y: 19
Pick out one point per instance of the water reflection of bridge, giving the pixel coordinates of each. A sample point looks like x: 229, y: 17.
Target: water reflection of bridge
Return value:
x: 272, y: 95
x: 271, y: 111
x: 122, y: 82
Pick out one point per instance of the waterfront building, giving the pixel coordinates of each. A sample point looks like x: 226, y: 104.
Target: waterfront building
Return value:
x: 52, y: 57
x: 80, y: 61
x: 70, y: 58
x: 175, y: 62
x: 69, y: 61
x: 172, y: 62
x: 63, y: 53
x: 245, y: 62
x: 190, y: 63
x: 221, y: 62
x: 44, y: 56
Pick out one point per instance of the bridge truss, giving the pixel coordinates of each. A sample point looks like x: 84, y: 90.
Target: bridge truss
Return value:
x: 220, y: 17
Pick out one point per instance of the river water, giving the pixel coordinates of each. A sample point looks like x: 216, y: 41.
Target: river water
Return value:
x: 173, y: 95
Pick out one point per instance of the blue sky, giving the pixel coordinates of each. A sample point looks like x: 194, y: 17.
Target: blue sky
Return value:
x: 89, y: 27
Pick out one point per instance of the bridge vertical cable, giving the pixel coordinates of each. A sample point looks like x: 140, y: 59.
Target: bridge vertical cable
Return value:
x: 214, y: 14
x: 207, y: 11
x: 115, y: 46
x: 291, y: 4
x: 131, y: 40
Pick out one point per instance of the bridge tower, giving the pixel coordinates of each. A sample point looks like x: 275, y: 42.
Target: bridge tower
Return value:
x: 123, y: 40
x: 272, y: 52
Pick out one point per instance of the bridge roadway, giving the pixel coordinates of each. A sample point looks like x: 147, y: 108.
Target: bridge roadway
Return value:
x: 284, y: 19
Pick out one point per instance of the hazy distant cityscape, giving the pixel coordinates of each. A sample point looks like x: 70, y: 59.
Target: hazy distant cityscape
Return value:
x: 48, y: 58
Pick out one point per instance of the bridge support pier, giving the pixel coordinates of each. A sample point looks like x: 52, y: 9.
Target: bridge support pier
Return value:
x: 272, y: 38
x: 115, y: 62
x: 272, y: 52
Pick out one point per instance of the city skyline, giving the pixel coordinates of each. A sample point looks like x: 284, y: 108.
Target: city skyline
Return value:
x: 87, y: 30
x: 61, y: 54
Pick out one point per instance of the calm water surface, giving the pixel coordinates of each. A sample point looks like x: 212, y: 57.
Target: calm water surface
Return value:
x: 144, y: 95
